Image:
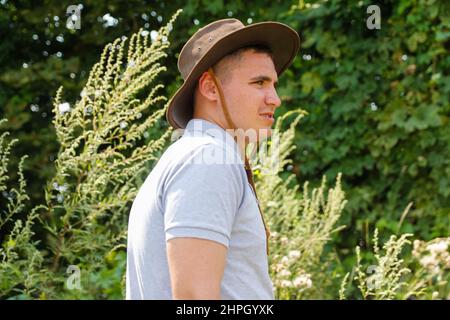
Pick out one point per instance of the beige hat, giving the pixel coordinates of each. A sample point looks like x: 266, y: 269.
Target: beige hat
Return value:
x: 214, y: 41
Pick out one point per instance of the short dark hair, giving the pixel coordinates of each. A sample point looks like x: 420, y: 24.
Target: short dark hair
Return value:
x: 237, y: 54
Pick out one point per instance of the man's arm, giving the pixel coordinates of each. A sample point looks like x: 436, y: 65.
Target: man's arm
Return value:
x: 196, y: 268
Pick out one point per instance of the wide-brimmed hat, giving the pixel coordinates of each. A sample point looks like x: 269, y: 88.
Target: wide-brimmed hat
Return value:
x: 214, y: 41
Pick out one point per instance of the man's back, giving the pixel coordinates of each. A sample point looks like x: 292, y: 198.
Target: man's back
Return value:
x: 190, y: 193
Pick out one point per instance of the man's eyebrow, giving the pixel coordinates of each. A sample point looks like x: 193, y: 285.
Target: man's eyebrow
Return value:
x: 263, y: 78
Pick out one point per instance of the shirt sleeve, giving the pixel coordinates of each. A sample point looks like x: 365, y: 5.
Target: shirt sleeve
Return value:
x: 201, y: 199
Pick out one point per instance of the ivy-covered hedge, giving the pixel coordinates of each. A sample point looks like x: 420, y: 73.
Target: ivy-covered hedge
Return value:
x: 377, y: 99
x: 378, y: 103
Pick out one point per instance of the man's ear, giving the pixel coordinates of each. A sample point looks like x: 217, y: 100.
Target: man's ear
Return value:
x: 206, y: 87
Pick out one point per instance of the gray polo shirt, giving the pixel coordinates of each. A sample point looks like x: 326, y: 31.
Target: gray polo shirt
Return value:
x: 198, y: 189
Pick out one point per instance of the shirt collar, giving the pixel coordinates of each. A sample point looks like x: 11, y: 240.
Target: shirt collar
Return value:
x: 201, y: 127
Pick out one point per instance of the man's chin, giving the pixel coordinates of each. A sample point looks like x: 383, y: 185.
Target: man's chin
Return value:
x: 252, y: 135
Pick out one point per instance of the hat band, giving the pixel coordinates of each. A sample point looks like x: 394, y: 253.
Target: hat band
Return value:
x: 248, y: 169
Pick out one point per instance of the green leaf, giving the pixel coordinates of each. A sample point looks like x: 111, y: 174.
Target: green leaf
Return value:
x: 423, y: 117
x: 310, y: 81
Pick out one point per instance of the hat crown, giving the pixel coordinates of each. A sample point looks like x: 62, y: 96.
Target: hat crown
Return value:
x: 202, y: 41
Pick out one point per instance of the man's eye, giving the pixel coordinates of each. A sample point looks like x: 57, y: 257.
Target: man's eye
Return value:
x: 261, y: 82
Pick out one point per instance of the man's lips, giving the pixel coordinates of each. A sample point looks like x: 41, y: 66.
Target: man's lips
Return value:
x: 267, y: 115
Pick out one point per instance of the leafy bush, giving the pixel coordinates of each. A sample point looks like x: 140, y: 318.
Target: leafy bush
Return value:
x: 85, y: 212
x: 377, y: 105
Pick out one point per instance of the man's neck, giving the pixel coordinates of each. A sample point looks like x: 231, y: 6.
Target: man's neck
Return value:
x: 239, y: 140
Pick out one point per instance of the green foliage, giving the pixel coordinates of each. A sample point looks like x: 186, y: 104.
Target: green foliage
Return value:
x: 20, y: 260
x: 300, y: 223
x: 377, y: 104
x: 423, y: 275
x: 385, y: 281
x: 86, y: 205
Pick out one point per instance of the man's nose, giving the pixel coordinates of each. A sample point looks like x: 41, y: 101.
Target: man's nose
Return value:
x: 272, y: 98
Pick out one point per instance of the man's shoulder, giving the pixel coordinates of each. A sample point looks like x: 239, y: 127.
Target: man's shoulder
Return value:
x: 199, y: 164
x: 204, y: 148
x: 190, y: 143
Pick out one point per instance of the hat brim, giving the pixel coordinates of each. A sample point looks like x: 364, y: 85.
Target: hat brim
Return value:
x: 283, y: 41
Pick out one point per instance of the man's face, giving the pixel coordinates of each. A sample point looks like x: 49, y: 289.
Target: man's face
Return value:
x: 250, y: 93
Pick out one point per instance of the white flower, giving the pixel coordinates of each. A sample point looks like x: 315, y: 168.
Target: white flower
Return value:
x: 109, y: 20
x: 303, y: 280
x: 88, y: 110
x: 271, y: 203
x: 416, y: 244
x: 284, y: 240
x: 64, y: 107
x: 153, y: 35
x: 294, y: 254
x: 435, y: 270
x: 278, y: 267
x: 34, y: 107
x: 417, y: 248
x: 123, y: 125
x: 284, y: 260
x: 438, y: 247
x: 428, y: 261
x: 284, y: 273
x: 286, y: 283
x: 60, y: 198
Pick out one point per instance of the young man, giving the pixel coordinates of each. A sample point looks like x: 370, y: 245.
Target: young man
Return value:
x: 196, y: 230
